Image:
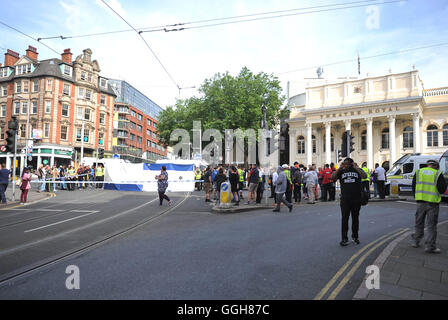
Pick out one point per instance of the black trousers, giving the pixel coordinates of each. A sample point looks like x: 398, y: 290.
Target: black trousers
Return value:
x: 381, y: 189
x: 331, y: 192
x: 297, y: 192
x: 350, y: 208
x: 326, y: 195
x: 162, y: 196
x: 259, y: 192
x: 366, y: 187
x: 288, y: 193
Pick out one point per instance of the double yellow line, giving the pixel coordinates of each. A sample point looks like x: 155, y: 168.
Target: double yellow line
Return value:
x: 372, y: 246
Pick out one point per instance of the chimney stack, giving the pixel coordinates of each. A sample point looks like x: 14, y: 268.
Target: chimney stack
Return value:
x: 67, y: 56
x: 31, y: 53
x: 11, y: 57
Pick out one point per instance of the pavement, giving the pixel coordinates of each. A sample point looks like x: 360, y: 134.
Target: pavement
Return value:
x: 33, y: 197
x: 408, y: 273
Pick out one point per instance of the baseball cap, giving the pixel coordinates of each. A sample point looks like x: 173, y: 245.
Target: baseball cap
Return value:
x: 285, y: 166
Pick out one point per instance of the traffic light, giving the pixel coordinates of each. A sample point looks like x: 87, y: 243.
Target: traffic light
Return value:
x: 344, y: 144
x: 11, y: 133
x: 351, y: 142
x: 340, y: 156
x: 100, y: 153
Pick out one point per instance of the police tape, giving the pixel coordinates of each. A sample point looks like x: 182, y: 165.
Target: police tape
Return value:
x: 100, y: 181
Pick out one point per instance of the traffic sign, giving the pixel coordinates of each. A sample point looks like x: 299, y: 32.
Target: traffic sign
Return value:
x: 3, y: 148
x: 116, y: 156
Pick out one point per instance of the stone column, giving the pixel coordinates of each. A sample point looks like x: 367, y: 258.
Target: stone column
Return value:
x: 417, y: 132
x: 328, y: 142
x: 309, y: 144
x: 392, y: 148
x: 369, y: 143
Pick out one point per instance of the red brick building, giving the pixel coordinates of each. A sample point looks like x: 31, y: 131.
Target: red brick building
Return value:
x: 53, y: 100
x: 135, y: 125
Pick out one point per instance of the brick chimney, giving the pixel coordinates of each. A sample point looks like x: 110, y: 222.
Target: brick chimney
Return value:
x: 11, y: 57
x: 31, y: 53
x: 67, y: 56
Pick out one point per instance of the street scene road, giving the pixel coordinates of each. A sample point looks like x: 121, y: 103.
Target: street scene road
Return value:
x: 184, y: 251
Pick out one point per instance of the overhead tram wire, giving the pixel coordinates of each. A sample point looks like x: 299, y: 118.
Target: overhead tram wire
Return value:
x: 281, y: 16
x: 146, y: 43
x: 367, y: 57
x: 165, y: 28
x: 26, y: 35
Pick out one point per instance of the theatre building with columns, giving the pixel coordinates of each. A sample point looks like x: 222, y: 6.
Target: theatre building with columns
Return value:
x: 389, y: 116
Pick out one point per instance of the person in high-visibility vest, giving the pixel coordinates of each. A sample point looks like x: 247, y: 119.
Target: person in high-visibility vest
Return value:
x: 71, y: 177
x: 241, y: 182
x: 366, y: 181
x: 427, y: 184
x: 99, y: 175
x: 288, y: 193
x: 198, y: 176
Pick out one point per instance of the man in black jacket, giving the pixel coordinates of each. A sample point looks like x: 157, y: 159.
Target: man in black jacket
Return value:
x: 350, y: 176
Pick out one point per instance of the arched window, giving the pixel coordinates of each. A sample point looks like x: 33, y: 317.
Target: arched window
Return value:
x: 445, y: 134
x: 314, y: 143
x: 432, y: 136
x: 301, y: 145
x: 408, y: 137
x: 331, y: 143
x: 385, y: 138
x: 364, y: 140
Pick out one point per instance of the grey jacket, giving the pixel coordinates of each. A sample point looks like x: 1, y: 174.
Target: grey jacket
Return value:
x: 280, y: 184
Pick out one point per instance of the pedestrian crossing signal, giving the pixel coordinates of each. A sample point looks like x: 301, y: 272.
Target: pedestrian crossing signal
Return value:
x: 100, y: 153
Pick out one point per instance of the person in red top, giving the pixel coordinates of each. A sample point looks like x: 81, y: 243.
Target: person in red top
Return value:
x: 326, y: 182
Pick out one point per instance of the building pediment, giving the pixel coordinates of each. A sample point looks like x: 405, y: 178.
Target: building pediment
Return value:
x: 23, y: 60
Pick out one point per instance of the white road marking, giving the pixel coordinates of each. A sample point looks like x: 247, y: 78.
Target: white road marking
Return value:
x: 53, y: 224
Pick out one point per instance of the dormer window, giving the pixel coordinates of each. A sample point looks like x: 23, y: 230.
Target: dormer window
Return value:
x: 103, y: 83
x: 23, y: 68
x: 83, y: 75
x: 3, y: 72
x: 67, y: 70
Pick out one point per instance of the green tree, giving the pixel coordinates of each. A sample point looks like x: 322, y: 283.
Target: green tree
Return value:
x: 227, y: 102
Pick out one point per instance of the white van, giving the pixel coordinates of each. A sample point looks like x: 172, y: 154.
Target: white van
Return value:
x: 403, y: 170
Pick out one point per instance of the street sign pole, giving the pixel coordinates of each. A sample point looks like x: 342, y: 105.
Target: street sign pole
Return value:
x: 82, y: 141
x: 14, y: 169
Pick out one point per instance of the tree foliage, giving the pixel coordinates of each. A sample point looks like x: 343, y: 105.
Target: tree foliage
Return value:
x: 226, y: 102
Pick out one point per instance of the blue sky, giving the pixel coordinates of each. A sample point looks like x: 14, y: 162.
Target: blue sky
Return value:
x: 274, y: 46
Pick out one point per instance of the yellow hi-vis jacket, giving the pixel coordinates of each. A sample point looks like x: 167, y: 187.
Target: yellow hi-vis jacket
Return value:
x: 366, y: 170
x: 99, y: 172
x: 426, y: 185
x: 241, y: 173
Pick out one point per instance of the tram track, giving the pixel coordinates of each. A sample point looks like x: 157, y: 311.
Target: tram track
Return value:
x: 22, y: 272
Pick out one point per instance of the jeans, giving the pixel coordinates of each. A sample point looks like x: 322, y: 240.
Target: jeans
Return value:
x: 279, y: 198
x: 3, y: 187
x: 42, y: 186
x: 429, y: 212
x: 375, y: 189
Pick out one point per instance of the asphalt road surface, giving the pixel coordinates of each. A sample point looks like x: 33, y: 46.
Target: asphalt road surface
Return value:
x: 126, y: 246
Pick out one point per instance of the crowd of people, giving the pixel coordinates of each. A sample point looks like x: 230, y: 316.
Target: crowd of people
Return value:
x: 69, y: 177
